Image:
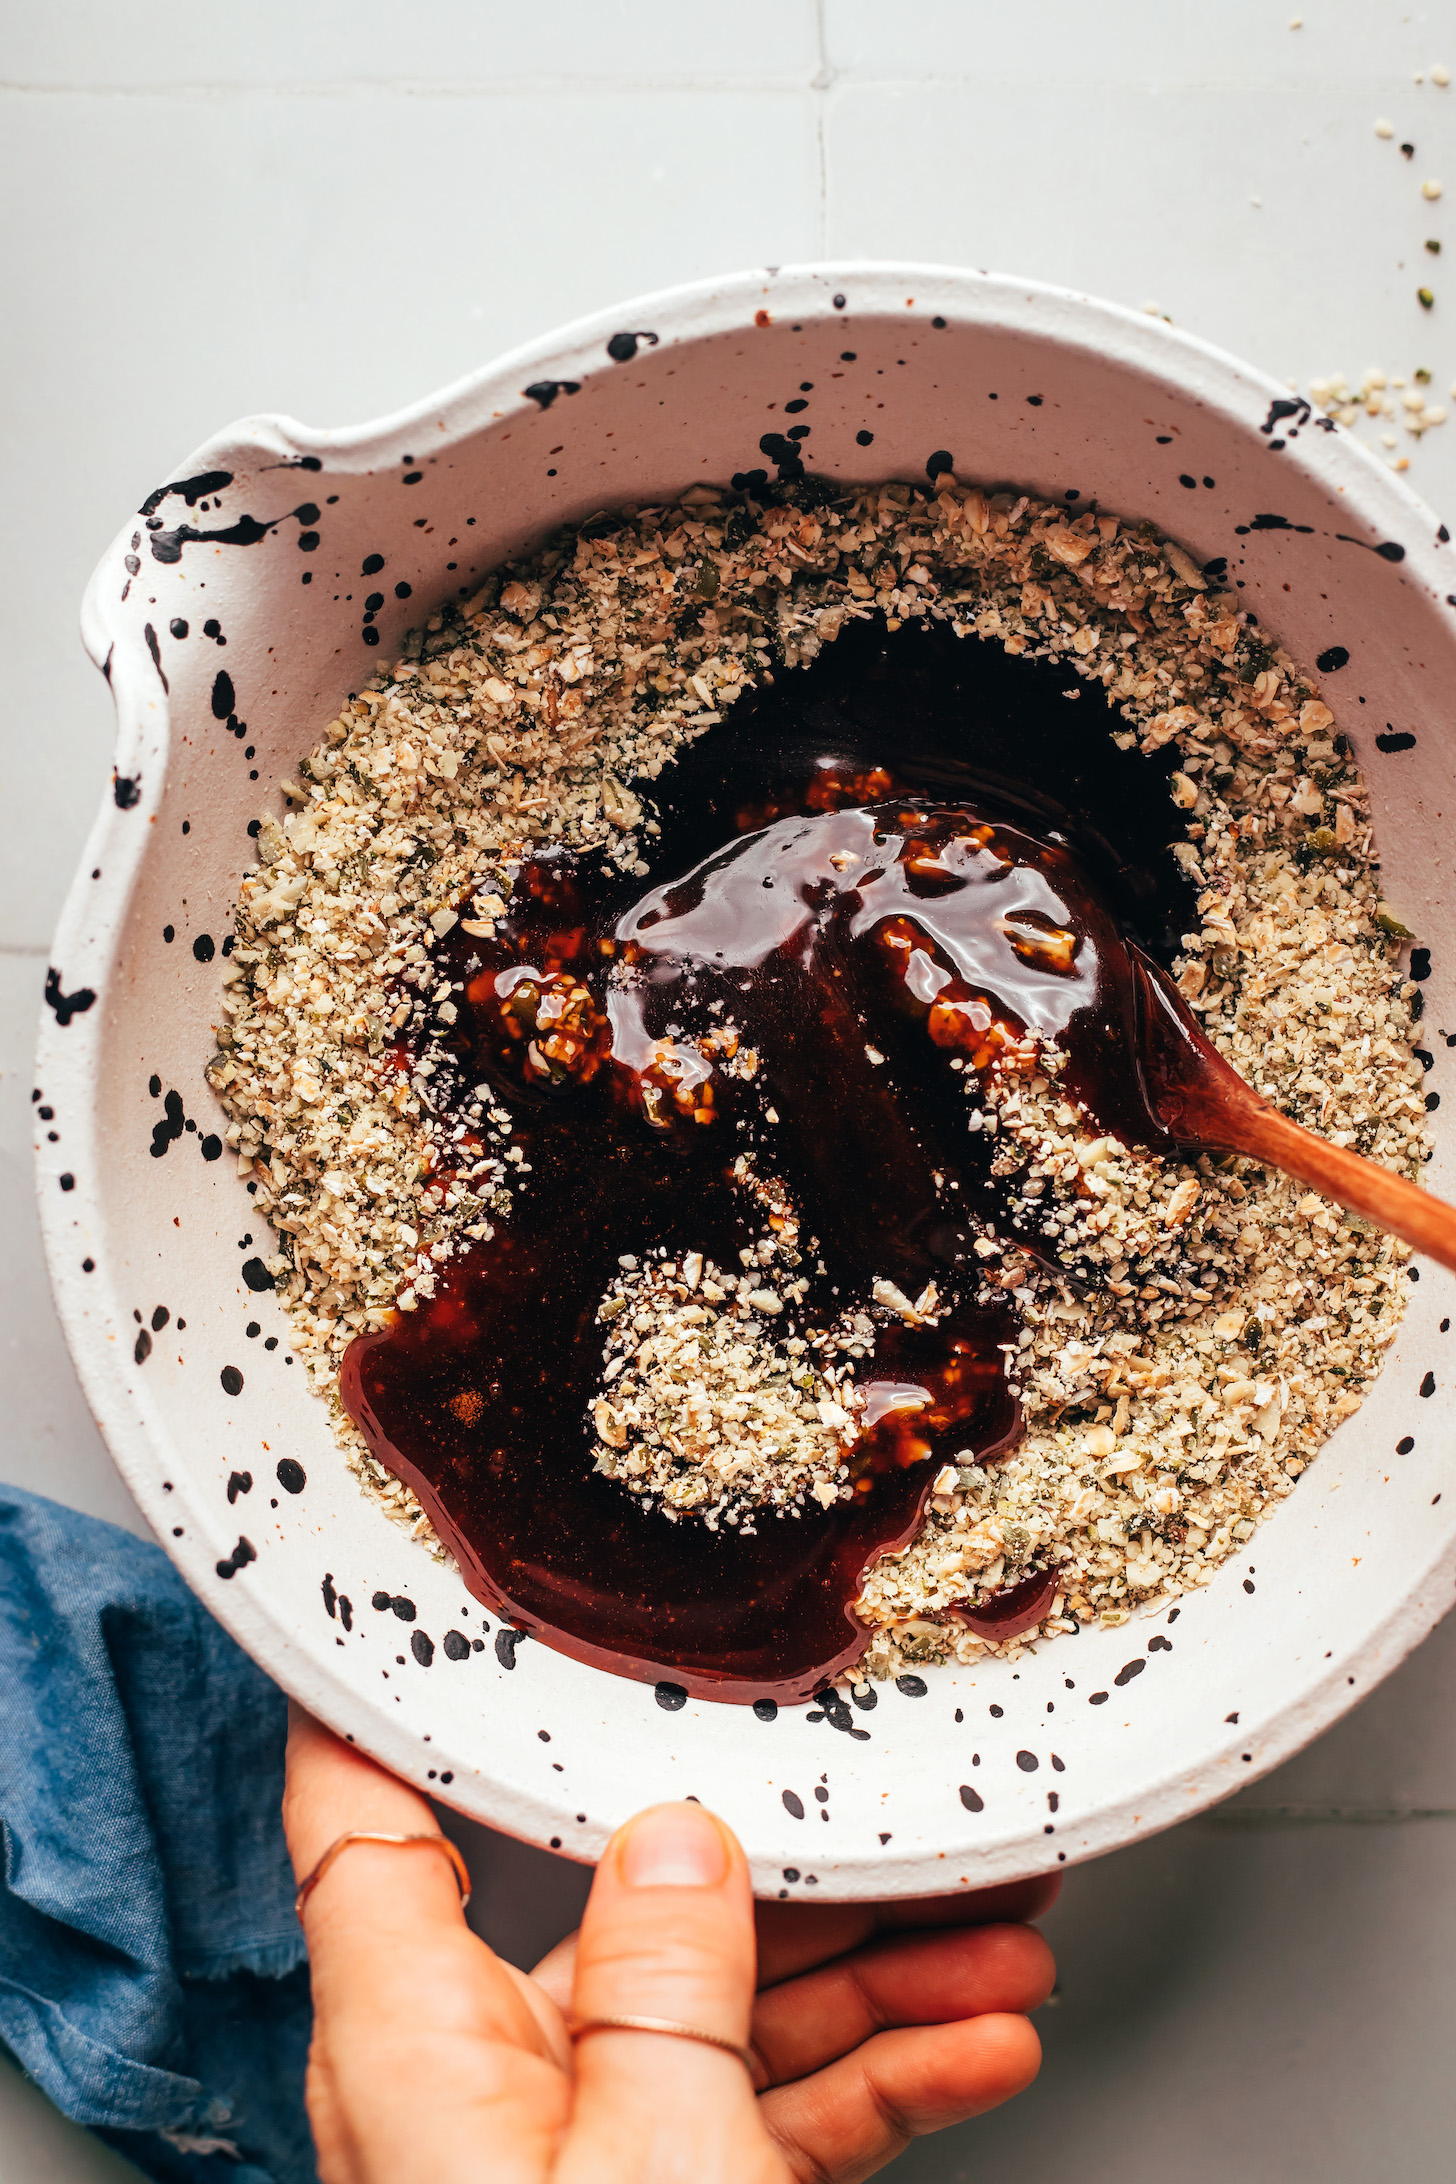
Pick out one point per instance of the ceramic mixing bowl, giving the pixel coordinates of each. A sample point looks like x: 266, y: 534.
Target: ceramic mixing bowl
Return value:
x: 238, y: 593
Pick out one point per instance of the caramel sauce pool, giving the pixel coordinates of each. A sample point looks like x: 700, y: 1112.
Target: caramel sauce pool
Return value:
x: 904, y: 856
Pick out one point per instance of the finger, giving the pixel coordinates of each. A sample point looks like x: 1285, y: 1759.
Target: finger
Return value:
x: 667, y: 1933
x: 922, y: 1979
x: 556, y: 1972
x: 793, y: 1936
x: 424, y: 2047
x: 849, y: 2120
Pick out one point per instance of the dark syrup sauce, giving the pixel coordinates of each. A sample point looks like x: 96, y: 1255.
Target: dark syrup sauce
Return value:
x: 917, y: 845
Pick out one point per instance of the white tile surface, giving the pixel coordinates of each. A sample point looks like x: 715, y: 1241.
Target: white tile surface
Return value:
x: 985, y: 44
x: 327, y: 210
x: 1228, y: 251
x: 1262, y: 214
x: 444, y: 46
x: 1264, y: 2009
x: 326, y: 253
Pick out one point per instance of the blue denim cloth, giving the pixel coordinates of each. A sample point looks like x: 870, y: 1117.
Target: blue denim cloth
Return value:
x: 152, y: 1974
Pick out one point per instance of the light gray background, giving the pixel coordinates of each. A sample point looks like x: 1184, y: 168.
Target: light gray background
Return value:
x: 223, y: 206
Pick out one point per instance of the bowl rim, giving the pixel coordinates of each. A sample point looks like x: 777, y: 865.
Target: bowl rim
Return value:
x: 95, y: 913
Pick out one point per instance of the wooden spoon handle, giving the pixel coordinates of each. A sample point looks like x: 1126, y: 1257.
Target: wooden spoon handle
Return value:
x: 1363, y: 1185
x: 1202, y: 1102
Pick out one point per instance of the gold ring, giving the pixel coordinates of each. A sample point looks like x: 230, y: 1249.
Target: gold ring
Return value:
x: 441, y: 1843
x: 578, y: 2027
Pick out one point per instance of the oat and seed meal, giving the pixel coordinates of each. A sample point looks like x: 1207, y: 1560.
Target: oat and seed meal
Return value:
x: 1238, y: 1318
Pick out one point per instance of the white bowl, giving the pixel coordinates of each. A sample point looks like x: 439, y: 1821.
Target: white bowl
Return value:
x: 1358, y: 1564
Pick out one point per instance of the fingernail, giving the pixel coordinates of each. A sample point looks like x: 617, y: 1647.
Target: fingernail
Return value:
x: 673, y: 1846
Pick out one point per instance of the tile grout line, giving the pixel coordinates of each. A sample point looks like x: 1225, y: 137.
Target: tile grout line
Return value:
x: 820, y: 84
x: 423, y: 87
x: 480, y: 87
x: 1247, y: 1819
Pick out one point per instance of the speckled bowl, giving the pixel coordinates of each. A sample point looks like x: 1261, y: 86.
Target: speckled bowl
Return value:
x: 239, y: 595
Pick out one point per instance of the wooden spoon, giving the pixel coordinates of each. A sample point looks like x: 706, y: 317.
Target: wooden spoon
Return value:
x: 1205, y: 1105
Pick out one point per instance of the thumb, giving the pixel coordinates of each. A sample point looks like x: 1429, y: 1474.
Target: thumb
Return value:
x: 667, y: 1933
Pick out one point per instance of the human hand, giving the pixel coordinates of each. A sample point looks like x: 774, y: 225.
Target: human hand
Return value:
x: 435, y: 2063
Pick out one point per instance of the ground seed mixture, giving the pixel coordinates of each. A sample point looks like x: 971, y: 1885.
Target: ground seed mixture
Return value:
x: 751, y: 1422
x: 1234, y: 1320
